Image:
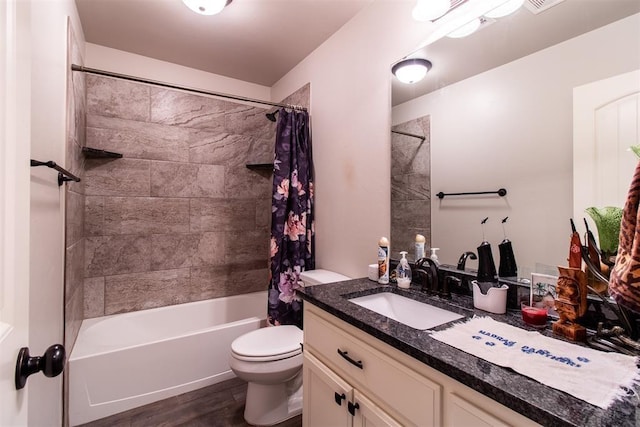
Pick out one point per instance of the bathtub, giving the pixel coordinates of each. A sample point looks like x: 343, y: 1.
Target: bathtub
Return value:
x: 123, y: 361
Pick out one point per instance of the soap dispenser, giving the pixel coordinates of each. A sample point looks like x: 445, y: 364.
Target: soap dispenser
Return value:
x: 508, y: 267
x: 403, y: 272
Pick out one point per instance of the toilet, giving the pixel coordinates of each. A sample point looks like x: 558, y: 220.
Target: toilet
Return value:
x: 270, y: 361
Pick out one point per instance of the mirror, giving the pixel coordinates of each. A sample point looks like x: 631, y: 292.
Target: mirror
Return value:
x: 496, y: 111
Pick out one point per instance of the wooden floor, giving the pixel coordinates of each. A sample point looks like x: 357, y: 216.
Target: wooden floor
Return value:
x: 217, y: 405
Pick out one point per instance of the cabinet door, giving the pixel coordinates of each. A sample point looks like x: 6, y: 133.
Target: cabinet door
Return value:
x: 462, y: 413
x: 325, y: 396
x: 367, y: 414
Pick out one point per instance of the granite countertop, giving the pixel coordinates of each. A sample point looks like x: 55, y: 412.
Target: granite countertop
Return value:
x: 543, y: 404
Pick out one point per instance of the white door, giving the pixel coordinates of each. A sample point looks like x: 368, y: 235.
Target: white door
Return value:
x: 606, y: 122
x: 14, y: 203
x: 326, y: 396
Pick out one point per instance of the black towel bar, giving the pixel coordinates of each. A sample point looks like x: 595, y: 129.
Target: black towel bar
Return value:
x: 63, y: 174
x: 501, y: 192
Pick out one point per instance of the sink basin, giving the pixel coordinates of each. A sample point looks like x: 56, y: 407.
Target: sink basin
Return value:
x: 405, y: 310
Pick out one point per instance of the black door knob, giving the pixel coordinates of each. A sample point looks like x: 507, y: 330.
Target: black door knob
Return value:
x: 50, y: 363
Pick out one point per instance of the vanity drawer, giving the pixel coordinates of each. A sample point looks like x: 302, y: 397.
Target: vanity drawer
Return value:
x: 392, y: 385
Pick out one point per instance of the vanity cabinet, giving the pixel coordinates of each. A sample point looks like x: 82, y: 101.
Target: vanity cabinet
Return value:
x: 381, y: 385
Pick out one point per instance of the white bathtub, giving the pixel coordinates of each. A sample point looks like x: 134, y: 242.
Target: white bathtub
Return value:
x: 123, y: 361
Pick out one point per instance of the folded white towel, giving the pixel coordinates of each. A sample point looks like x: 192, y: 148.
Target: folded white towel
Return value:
x: 593, y: 376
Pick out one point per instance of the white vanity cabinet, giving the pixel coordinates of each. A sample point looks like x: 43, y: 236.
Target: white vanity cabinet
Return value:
x: 381, y: 385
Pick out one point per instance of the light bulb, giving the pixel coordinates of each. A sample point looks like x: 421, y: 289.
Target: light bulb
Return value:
x: 465, y: 30
x: 505, y: 9
x: 411, y: 70
x: 429, y: 10
x: 206, y: 7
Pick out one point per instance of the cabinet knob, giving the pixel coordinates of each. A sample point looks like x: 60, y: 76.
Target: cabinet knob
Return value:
x: 339, y: 398
x: 352, y: 408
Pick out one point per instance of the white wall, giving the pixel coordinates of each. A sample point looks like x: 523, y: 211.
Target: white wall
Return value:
x: 350, y: 102
x: 511, y: 127
x: 48, y: 139
x: 118, y: 61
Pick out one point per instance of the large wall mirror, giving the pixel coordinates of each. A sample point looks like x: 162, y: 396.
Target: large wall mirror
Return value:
x: 497, y: 111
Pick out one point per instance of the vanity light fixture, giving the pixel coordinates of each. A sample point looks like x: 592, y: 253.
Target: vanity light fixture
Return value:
x: 206, y: 7
x: 430, y: 10
x: 505, y: 9
x: 411, y: 70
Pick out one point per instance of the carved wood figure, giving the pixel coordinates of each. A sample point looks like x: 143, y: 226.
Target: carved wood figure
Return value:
x: 571, y: 303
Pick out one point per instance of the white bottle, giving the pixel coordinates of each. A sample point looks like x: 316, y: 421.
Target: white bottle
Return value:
x: 420, y: 241
x: 403, y: 272
x: 434, y: 256
x: 383, y: 261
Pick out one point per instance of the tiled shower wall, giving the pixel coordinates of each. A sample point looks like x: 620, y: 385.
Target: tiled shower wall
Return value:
x: 74, y: 197
x: 410, y: 186
x: 179, y: 218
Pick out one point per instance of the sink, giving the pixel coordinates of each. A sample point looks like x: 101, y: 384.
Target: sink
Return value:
x: 405, y: 310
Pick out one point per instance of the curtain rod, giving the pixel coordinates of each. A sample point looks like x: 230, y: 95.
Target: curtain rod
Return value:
x: 420, y: 137
x: 75, y: 67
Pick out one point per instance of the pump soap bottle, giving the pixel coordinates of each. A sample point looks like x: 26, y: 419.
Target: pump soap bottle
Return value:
x: 403, y: 272
x: 383, y: 261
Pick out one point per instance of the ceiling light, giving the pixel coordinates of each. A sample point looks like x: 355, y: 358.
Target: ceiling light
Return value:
x: 429, y: 10
x: 411, y: 70
x: 466, y: 29
x: 505, y: 9
x: 206, y: 7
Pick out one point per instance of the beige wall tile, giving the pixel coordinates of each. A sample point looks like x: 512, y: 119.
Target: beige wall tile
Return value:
x: 109, y: 255
x: 171, y: 179
x: 93, y: 297
x: 222, y: 215
x: 218, y: 148
x: 139, y: 140
x: 183, y: 109
x: 186, y: 250
x: 243, y: 183
x: 117, y: 98
x: 145, y: 215
x: 74, y: 211
x: 250, y: 121
x: 245, y: 246
x: 117, y: 177
x: 94, y: 216
x: 140, y: 291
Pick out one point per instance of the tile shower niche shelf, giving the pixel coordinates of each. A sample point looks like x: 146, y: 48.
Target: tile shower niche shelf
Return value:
x: 96, y: 153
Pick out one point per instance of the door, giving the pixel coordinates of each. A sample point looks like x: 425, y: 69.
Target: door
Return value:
x: 326, y: 396
x: 14, y: 204
x: 368, y: 414
x: 606, y: 123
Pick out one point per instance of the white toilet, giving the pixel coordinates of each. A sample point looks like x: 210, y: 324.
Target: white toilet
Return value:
x: 270, y: 360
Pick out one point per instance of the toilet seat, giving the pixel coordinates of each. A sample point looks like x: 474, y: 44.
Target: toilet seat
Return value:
x: 268, y: 344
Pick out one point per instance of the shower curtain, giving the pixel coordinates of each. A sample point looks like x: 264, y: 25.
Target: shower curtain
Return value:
x: 292, y: 231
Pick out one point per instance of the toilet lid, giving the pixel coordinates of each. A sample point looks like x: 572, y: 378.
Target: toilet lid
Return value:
x: 269, y: 343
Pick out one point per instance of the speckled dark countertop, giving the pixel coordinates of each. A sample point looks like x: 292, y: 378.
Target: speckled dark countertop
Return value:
x: 545, y: 405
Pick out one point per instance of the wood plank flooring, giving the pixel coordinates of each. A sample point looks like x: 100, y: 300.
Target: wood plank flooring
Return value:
x: 219, y: 405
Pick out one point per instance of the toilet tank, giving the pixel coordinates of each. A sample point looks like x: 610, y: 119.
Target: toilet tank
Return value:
x: 318, y: 277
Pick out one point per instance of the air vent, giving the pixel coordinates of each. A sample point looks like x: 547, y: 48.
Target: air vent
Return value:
x: 538, y: 6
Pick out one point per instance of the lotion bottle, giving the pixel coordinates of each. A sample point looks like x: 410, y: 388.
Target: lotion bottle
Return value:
x: 383, y: 261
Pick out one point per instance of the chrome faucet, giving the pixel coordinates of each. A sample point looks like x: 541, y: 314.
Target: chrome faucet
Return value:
x: 463, y: 259
x: 428, y: 268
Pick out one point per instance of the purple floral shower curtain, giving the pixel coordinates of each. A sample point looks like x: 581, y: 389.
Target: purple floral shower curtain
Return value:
x: 292, y: 232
